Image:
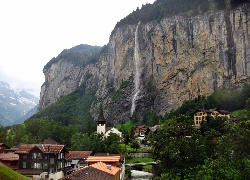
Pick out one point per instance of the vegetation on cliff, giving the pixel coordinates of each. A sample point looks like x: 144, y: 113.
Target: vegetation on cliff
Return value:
x: 81, y: 55
x: 166, y: 8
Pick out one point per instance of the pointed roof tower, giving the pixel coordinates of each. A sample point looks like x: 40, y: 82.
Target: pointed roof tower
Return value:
x: 101, y: 127
x: 101, y: 118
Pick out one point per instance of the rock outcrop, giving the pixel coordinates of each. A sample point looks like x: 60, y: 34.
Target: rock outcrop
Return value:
x: 180, y: 58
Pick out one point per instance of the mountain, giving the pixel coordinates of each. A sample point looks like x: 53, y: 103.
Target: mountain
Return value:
x: 155, y: 64
x: 14, y: 104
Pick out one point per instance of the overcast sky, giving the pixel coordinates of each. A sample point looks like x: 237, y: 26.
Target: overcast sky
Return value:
x: 34, y: 31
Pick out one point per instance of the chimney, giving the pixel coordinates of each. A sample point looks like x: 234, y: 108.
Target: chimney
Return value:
x: 108, y: 167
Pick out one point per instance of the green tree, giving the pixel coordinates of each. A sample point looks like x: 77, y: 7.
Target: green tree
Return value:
x: 179, y: 147
x: 112, y: 144
x: 135, y: 145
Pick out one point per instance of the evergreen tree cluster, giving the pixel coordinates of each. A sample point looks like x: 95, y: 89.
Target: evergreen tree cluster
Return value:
x: 167, y: 8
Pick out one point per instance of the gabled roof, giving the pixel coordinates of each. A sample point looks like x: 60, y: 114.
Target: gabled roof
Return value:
x: 103, y: 167
x: 97, y: 171
x: 45, y: 148
x: 101, y: 116
x: 2, y: 144
x: 78, y: 155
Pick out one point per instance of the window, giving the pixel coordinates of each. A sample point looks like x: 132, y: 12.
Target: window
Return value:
x: 24, y: 165
x: 45, y: 166
x: 46, y: 156
x: 25, y: 156
x: 36, y: 155
x: 37, y: 165
x: 51, y: 161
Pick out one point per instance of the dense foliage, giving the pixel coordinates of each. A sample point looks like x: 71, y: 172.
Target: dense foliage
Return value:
x: 80, y: 55
x: 218, y: 150
x: 229, y: 99
x: 166, y: 8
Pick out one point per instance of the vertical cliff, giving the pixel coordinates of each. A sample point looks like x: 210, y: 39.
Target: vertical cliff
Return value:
x: 177, y: 59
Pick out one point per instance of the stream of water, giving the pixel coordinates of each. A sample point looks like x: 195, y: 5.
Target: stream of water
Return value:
x: 137, y: 70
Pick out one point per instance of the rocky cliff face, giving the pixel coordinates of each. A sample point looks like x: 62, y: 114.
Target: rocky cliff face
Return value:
x: 176, y: 59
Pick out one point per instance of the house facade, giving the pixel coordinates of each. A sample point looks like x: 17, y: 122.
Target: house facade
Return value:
x: 201, y: 115
x: 42, y: 160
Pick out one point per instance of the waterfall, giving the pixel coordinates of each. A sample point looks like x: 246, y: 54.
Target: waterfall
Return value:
x: 137, y: 71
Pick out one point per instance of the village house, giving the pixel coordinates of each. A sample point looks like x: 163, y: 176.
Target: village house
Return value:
x: 201, y: 115
x: 76, y: 160
x: 45, y: 161
x: 120, y: 164
x: 96, y: 171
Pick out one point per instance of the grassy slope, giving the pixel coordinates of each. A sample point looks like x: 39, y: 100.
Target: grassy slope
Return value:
x: 7, y: 173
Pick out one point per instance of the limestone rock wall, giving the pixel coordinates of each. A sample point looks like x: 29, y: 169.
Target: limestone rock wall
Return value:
x: 180, y: 58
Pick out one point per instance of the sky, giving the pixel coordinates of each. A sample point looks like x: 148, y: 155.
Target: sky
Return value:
x: 32, y: 32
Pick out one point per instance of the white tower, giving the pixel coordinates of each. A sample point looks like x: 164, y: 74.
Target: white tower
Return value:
x: 101, y: 122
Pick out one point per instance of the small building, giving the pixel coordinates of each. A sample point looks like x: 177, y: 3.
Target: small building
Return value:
x: 96, y: 171
x: 201, y: 115
x: 101, y: 126
x: 121, y: 163
x: 139, y: 131
x: 3, y: 148
x: 10, y: 160
x: 76, y: 160
x: 45, y: 161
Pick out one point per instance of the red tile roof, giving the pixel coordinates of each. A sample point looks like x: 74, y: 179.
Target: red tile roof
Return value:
x: 45, y: 148
x: 9, y: 157
x: 97, y: 171
x: 103, y: 159
x: 104, y: 167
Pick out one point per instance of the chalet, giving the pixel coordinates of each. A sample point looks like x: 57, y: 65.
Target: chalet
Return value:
x: 202, y: 114
x: 42, y: 160
x: 95, y: 171
x: 140, y: 131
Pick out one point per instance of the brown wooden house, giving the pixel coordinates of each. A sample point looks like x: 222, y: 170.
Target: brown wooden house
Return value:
x: 43, y: 160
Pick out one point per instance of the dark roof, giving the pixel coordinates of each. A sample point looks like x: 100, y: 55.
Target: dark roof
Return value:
x: 45, y: 148
x: 101, y: 116
x: 212, y: 110
x: 48, y: 141
x: 78, y: 155
x: 2, y: 144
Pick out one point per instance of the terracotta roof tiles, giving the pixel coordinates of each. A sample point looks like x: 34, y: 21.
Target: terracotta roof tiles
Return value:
x: 45, y: 148
x: 103, y: 159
